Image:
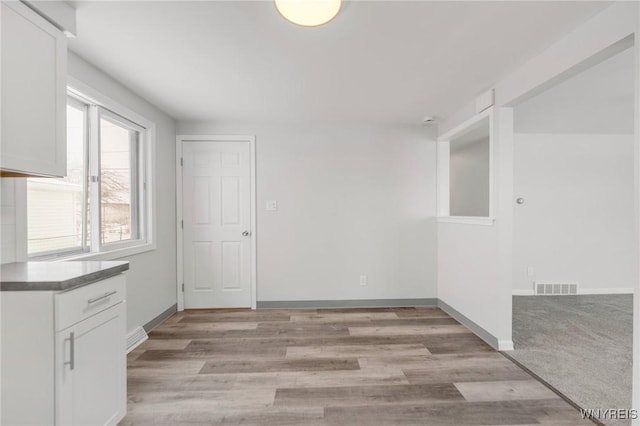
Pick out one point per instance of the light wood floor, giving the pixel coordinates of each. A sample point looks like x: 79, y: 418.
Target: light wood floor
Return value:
x: 330, y: 366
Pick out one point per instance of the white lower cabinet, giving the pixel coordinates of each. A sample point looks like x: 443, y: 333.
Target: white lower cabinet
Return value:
x: 64, y: 355
x: 91, y: 370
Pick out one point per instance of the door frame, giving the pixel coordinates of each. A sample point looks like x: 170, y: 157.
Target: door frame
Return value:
x: 180, y: 139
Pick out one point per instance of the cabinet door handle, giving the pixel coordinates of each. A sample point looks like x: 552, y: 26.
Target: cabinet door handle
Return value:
x: 72, y: 351
x: 99, y: 298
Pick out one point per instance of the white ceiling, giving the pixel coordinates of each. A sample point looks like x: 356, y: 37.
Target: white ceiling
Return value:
x: 599, y: 100
x: 382, y: 61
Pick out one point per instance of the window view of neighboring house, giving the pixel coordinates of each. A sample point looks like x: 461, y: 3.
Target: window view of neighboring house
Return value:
x: 105, y: 169
x: 56, y: 207
x: 118, y: 180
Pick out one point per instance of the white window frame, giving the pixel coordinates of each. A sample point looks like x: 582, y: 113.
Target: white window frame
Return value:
x: 443, y: 170
x: 101, y: 104
x: 139, y: 207
x: 84, y: 248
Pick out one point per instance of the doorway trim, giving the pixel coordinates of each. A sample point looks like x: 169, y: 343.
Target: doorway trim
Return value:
x: 180, y: 139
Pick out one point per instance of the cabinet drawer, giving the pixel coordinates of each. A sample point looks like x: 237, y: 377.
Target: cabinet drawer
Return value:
x: 76, y: 305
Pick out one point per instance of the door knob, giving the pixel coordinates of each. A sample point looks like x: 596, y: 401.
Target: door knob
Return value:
x: 246, y: 233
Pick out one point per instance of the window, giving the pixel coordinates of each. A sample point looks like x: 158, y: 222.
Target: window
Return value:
x: 469, y: 172
x: 102, y: 203
x: 465, y: 172
x: 118, y: 180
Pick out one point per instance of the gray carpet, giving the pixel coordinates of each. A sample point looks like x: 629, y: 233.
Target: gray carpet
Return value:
x: 581, y: 345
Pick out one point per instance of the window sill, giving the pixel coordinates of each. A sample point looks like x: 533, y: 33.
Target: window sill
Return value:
x: 467, y: 220
x: 109, y: 255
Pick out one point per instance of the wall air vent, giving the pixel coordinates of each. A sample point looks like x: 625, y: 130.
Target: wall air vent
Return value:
x: 541, y: 288
x: 136, y: 338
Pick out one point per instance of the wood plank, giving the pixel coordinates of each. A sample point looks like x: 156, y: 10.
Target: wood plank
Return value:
x: 257, y: 366
x: 341, y: 317
x: 135, y: 354
x: 355, y: 351
x: 175, y: 344
x: 137, y: 385
x: 304, y: 379
x: 363, y: 395
x: 408, y: 330
x: 237, y: 316
x: 423, y: 313
x: 442, y: 344
x: 267, y: 416
x: 224, y: 401
x: 402, y: 366
x: 210, y: 326
x: 397, y: 310
x: 171, y: 332
x: 456, y: 344
x: 458, y: 341
x: 362, y: 310
x: 456, y: 413
x: 505, y: 390
x: 411, y: 322
x: 438, y: 361
x: 176, y: 368
x: 348, y: 321
x: 465, y: 374
x: 222, y: 354
x: 303, y: 328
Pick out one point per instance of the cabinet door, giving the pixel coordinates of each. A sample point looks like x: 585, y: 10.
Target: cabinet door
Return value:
x: 34, y: 63
x: 91, y: 382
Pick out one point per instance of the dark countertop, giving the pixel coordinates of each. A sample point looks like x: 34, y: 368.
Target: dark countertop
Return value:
x: 56, y: 276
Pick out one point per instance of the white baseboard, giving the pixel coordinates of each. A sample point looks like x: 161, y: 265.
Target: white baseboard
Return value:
x: 583, y: 291
x: 135, y: 338
x: 505, y: 345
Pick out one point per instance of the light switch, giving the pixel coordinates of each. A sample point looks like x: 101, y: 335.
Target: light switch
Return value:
x: 272, y: 205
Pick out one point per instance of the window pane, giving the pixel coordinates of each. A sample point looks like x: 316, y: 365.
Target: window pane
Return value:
x: 469, y: 172
x: 55, y: 206
x: 118, y: 177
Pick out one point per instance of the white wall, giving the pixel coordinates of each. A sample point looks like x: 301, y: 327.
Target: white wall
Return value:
x: 352, y: 200
x: 598, y: 100
x: 473, y: 262
x: 578, y: 217
x: 613, y: 28
x: 469, y: 180
x: 574, y: 167
x: 151, y: 280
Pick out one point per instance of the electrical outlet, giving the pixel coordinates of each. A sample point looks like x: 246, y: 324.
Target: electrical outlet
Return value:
x: 363, y: 280
x: 271, y: 206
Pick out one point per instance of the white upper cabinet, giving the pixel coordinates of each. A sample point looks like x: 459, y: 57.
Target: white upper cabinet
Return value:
x: 34, y: 73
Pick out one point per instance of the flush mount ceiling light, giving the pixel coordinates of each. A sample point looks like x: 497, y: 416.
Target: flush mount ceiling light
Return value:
x: 308, y: 13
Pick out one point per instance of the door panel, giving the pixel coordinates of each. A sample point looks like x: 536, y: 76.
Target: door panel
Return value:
x: 217, y: 210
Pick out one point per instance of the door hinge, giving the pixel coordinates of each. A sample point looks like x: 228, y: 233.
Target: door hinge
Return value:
x: 181, y: 161
x: 182, y: 224
x: 183, y: 287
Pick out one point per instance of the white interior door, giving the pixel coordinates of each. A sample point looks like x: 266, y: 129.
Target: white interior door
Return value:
x: 217, y: 217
